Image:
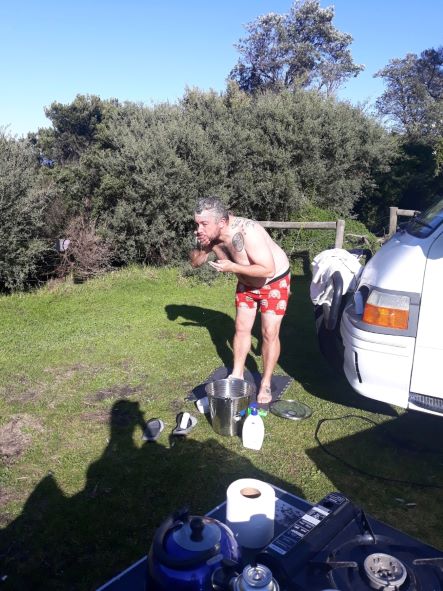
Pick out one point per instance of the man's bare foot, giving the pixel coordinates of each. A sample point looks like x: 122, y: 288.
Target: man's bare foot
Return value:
x: 233, y: 377
x: 264, y: 396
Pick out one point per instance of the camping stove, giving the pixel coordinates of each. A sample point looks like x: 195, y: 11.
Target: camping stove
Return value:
x: 327, y: 546
x: 335, y: 545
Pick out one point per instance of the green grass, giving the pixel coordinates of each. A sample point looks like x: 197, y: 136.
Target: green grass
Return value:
x: 82, y: 368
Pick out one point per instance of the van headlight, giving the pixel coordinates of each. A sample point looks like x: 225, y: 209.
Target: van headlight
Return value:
x: 387, y: 309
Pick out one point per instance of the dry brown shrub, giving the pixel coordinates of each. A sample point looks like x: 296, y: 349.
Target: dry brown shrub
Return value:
x: 87, y: 254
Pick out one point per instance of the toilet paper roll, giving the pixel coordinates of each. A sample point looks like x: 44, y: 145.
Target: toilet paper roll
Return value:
x: 250, y: 512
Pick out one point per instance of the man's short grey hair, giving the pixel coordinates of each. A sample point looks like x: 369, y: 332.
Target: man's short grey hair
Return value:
x: 213, y: 204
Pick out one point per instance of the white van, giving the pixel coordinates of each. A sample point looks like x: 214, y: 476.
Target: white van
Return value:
x: 386, y: 332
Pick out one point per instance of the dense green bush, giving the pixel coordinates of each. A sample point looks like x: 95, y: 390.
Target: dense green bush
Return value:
x: 23, y: 203
x: 135, y: 172
x: 306, y: 244
x: 268, y: 157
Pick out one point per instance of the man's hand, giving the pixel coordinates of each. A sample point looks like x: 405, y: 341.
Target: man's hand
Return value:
x: 198, y: 257
x: 203, y: 241
x: 223, y: 265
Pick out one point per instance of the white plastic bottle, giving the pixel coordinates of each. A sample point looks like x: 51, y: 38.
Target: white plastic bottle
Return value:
x: 253, y: 431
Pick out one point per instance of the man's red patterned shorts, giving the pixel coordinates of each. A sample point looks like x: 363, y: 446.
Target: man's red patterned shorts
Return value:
x: 272, y: 297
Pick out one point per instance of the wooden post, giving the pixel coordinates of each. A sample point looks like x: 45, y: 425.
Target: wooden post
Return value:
x: 393, y: 211
x: 339, y: 233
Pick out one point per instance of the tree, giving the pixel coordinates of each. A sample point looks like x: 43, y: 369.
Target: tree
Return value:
x: 75, y: 127
x: 413, y: 99
x: 413, y: 104
x: 301, y: 49
x: 68, y: 152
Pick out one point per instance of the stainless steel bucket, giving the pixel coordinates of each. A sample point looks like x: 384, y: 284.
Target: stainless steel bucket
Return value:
x: 227, y: 398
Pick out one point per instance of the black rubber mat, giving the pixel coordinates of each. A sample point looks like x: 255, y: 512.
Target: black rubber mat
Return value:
x: 279, y: 384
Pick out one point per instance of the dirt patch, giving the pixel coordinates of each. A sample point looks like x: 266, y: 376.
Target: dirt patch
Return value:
x: 65, y: 373
x: 58, y: 371
x: 16, y: 436
x: 114, y: 393
x: 21, y: 389
x: 13, y: 394
x: 97, y: 416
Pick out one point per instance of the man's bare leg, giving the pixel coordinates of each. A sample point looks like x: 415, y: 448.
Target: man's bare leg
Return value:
x: 270, y: 324
x: 244, y: 321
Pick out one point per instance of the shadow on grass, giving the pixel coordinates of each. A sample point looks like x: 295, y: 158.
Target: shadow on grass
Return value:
x: 220, y: 326
x: 80, y: 542
x: 384, y: 466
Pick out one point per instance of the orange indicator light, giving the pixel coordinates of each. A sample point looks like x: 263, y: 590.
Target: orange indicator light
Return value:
x: 388, y: 317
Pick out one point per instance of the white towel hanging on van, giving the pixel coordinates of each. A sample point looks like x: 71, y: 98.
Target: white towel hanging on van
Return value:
x: 324, y: 265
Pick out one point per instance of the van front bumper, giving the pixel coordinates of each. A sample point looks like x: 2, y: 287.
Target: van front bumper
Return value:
x: 377, y: 365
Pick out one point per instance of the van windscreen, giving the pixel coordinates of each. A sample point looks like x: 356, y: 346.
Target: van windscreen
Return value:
x: 423, y: 224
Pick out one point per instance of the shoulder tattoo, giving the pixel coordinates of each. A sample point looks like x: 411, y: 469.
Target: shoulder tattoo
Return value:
x: 238, y: 241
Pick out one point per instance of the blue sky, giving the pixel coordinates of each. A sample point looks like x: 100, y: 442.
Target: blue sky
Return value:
x: 148, y: 51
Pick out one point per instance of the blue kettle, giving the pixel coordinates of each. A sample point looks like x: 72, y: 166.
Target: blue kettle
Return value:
x: 187, y: 550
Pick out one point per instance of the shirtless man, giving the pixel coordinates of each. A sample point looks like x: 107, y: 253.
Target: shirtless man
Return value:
x: 243, y: 247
